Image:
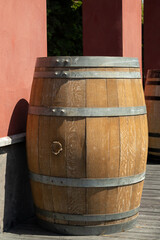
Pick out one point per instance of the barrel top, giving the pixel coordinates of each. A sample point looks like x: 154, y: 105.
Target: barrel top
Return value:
x: 84, y: 61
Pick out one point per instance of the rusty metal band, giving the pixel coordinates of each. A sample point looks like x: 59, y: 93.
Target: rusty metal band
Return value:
x: 84, y: 61
x: 87, y: 230
x: 87, y: 182
x: 87, y: 112
x: 87, y: 218
x: 87, y: 75
x: 157, y: 135
x: 153, y: 98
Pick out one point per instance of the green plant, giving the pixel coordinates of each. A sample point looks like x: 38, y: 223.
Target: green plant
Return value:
x: 64, y: 27
x: 76, y: 4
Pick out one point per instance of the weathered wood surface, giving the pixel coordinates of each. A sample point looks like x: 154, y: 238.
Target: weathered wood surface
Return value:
x: 147, y: 227
x: 92, y: 147
x: 152, y: 95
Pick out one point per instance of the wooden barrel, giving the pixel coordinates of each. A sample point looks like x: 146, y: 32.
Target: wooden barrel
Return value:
x: 152, y: 96
x: 87, y: 143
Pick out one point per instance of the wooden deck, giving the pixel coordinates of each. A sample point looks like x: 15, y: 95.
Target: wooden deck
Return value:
x: 147, y: 227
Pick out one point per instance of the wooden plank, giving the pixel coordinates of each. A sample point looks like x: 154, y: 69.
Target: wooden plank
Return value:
x: 33, y: 142
x: 125, y: 235
x: 127, y: 145
x: 123, y: 195
x: 47, y: 133
x: 146, y: 223
x: 154, y: 196
x: 56, y: 131
x: 97, y: 149
x: 153, y: 114
x: 37, y: 193
x: 152, y: 182
x: 152, y: 176
x: 148, y: 231
x: 137, y: 188
x: 75, y: 152
x: 32, y: 153
x: 153, y: 167
x: 133, y: 237
x: 150, y: 193
x: 44, y: 149
x: 149, y: 217
x: 151, y: 197
x: 36, y: 92
x: 150, y: 186
x: 141, y: 126
x: 152, y: 172
x: 114, y: 135
x: 33, y: 127
x: 44, y: 145
x: 152, y: 210
x: 112, y: 163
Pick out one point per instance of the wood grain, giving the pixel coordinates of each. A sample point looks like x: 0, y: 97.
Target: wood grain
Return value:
x: 112, y: 163
x: 105, y: 147
x: 32, y: 142
x: 75, y: 149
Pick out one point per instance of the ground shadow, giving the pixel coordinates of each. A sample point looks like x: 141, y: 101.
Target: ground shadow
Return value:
x: 18, y: 204
x: 153, y: 159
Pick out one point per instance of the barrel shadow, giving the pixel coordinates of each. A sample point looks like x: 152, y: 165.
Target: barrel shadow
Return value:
x: 19, y: 118
x: 18, y: 203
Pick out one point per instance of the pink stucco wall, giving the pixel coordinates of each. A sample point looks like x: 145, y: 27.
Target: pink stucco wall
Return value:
x: 22, y: 39
x: 151, y: 35
x: 132, y: 29
x: 112, y: 28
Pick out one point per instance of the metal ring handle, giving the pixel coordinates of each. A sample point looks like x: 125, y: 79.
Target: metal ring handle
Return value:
x: 56, y: 147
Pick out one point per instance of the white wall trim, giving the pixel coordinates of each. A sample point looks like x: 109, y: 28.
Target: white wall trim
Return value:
x: 9, y: 140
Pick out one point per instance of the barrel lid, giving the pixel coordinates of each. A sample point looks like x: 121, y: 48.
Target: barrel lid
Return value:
x: 83, y: 61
